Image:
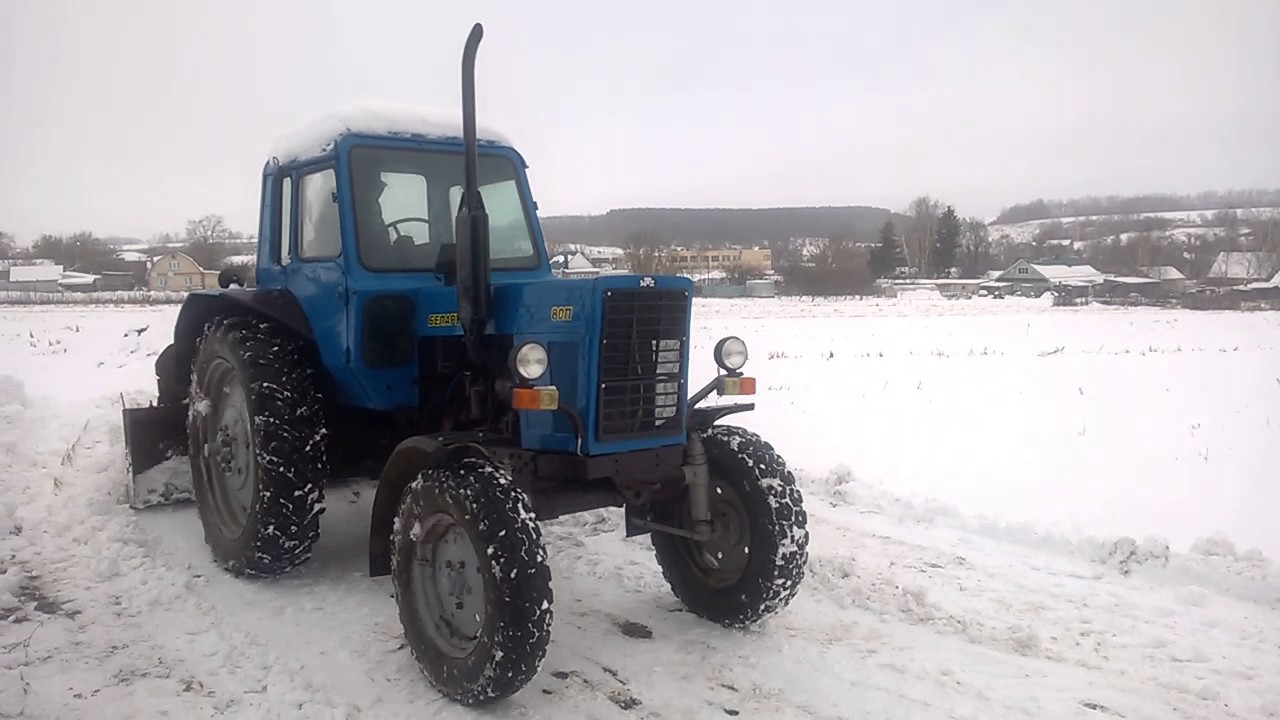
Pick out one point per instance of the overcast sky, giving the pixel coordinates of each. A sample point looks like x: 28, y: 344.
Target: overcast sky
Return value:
x: 127, y: 117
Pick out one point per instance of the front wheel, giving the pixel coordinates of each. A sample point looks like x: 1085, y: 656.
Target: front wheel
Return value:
x: 471, y: 581
x: 753, y: 564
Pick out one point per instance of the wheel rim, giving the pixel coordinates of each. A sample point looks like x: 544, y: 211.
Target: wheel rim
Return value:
x: 722, y: 558
x: 228, y: 460
x: 447, y: 585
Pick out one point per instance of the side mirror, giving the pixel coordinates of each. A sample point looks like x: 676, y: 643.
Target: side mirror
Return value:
x: 229, y: 276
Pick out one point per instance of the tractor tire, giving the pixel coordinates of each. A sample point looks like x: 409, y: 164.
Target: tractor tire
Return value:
x: 760, y: 534
x: 471, y: 581
x: 256, y: 437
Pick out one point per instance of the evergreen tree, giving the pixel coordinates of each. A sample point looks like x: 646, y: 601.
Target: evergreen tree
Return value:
x: 888, y: 255
x: 946, y: 242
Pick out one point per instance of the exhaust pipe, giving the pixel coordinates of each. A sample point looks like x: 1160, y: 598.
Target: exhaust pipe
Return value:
x: 471, y: 227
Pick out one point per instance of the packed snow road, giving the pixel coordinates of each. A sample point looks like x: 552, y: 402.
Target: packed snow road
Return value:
x: 1016, y: 511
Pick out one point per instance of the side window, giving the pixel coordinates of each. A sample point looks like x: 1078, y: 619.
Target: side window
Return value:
x: 286, y: 220
x: 319, y: 236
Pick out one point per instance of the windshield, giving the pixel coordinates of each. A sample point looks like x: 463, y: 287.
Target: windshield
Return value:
x: 406, y: 202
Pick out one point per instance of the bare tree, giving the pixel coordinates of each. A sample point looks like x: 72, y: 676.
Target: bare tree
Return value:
x: 1146, y: 250
x: 739, y: 274
x: 836, y: 267
x: 918, y: 238
x: 1259, y: 265
x: 8, y: 248
x: 1264, y: 231
x: 975, y: 248
x: 1229, y: 221
x: 207, y: 240
x: 785, y: 252
x: 648, y: 253
x: 72, y: 251
x: 1200, y: 253
x: 208, y: 229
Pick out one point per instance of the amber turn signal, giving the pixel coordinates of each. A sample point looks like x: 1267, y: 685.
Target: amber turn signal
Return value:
x: 535, y: 398
x: 737, y: 385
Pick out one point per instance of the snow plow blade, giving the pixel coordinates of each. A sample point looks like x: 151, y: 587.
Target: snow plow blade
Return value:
x: 153, y: 436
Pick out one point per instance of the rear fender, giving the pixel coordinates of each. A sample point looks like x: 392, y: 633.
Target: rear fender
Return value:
x: 173, y: 367
x: 411, y: 457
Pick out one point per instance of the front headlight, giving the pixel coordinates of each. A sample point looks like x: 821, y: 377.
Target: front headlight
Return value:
x: 731, y: 354
x: 530, y: 361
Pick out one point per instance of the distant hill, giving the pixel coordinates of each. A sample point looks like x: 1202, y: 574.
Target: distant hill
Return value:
x: 718, y: 226
x: 1209, y: 201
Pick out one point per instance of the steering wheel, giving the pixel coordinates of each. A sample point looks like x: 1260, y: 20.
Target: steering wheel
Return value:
x: 393, y: 224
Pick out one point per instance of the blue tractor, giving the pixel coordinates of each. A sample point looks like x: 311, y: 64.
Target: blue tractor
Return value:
x: 405, y: 326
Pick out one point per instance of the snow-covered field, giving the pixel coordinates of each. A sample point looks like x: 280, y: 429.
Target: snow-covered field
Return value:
x: 1195, y: 220
x: 1016, y: 511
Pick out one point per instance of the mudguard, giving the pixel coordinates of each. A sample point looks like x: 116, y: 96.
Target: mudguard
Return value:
x: 158, y: 433
x: 702, y: 418
x: 411, y: 457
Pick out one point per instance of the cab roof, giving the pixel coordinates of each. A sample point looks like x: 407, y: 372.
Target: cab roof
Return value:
x: 320, y: 135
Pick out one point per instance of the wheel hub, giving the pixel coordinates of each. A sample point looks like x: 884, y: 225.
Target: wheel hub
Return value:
x: 722, y: 557
x: 228, y: 464
x: 448, y: 585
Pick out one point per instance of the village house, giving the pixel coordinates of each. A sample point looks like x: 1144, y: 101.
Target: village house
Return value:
x: 1122, y: 286
x: 573, y: 264
x: 1172, y: 280
x: 958, y: 287
x: 1240, y: 268
x: 1034, y: 279
x: 31, y: 278
x: 758, y: 260
x: 177, y: 272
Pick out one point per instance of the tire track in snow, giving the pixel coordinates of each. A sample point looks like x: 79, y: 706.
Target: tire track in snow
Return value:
x: 142, y: 623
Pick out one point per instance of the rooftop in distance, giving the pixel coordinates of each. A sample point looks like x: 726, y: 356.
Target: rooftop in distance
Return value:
x: 319, y: 135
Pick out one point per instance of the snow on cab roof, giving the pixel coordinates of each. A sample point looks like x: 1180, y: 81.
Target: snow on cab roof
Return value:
x: 319, y: 135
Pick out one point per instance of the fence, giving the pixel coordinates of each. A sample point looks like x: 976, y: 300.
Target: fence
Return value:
x: 121, y: 297
x: 1232, y: 300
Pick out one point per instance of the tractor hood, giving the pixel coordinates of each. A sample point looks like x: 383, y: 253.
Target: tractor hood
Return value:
x: 568, y: 306
x: 533, y: 307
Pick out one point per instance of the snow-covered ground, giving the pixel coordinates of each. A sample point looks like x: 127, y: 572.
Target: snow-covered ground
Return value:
x: 1016, y: 511
x: 1194, y: 220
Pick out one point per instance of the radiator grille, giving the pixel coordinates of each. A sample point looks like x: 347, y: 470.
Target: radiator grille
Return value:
x: 643, y: 352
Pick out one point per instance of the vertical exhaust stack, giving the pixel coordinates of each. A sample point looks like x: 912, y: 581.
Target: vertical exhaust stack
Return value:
x: 471, y: 228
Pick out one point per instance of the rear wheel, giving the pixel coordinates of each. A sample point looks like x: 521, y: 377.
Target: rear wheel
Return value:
x: 752, y: 565
x: 471, y: 581
x: 256, y: 434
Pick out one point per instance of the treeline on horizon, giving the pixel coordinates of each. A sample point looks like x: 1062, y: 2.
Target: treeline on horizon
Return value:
x: 1208, y: 200
x: 718, y: 226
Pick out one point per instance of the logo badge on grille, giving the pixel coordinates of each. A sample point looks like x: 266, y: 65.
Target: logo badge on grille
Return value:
x: 647, y: 282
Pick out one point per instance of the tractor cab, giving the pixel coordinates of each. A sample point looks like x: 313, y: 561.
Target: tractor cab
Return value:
x: 360, y: 227
x: 382, y: 206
